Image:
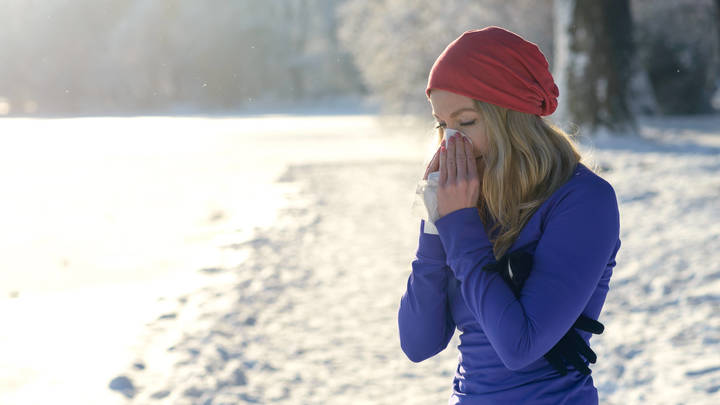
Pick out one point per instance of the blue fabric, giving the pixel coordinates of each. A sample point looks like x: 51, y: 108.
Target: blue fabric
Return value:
x: 574, y: 237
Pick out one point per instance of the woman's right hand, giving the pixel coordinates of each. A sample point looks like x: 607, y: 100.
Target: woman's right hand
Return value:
x: 434, y: 164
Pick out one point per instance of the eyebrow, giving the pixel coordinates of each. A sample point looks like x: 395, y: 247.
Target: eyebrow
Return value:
x: 457, y: 112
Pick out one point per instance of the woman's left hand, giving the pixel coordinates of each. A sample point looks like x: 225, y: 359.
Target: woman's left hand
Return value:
x: 459, y: 185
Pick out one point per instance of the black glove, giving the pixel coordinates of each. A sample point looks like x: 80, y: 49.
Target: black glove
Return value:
x: 514, y: 268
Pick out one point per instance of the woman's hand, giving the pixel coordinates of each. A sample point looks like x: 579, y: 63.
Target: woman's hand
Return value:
x: 459, y: 185
x: 434, y: 164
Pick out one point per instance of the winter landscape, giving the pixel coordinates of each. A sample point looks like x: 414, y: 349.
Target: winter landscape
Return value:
x: 213, y: 205
x: 301, y: 308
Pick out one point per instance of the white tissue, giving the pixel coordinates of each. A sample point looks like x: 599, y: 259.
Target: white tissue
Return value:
x: 425, y: 204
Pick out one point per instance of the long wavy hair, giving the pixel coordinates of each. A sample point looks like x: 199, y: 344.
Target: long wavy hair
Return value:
x: 528, y: 158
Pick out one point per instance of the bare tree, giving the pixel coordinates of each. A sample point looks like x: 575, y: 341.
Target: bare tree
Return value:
x: 394, y: 43
x: 593, y: 56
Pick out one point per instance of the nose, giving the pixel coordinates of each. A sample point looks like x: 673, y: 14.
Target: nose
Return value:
x: 449, y: 132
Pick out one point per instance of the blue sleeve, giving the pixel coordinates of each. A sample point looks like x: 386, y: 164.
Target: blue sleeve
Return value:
x: 581, y: 231
x: 424, y: 320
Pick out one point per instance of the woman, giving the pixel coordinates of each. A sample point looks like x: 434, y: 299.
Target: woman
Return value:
x: 516, y: 186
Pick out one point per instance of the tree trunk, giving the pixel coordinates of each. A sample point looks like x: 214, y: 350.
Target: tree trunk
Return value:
x: 593, y: 59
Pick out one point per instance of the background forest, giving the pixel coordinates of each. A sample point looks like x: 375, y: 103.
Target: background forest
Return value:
x: 83, y: 57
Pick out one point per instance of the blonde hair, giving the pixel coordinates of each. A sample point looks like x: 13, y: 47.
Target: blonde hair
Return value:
x: 527, y: 159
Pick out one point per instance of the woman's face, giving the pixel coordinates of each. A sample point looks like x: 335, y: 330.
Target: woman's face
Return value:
x: 454, y: 111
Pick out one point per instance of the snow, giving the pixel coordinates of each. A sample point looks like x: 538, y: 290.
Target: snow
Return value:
x: 290, y: 296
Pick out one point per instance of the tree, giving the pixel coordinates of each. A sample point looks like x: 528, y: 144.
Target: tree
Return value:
x: 593, y: 63
x: 394, y: 42
x: 679, y: 48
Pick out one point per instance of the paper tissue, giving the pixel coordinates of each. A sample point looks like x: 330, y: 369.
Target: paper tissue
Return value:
x: 425, y: 203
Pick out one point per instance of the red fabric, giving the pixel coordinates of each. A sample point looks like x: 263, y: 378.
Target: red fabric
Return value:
x: 499, y: 67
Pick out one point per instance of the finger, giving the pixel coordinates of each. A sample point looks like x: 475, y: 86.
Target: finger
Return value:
x: 571, y: 356
x: 471, y: 163
x: 443, y: 164
x: 460, y: 156
x: 580, y: 365
x: 434, y: 164
x: 519, y: 262
x: 582, y: 347
x: 589, y: 325
x: 451, y: 163
x: 577, y: 362
x: 553, y: 357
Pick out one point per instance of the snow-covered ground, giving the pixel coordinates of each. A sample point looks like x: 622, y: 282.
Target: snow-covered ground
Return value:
x: 301, y: 308
x: 110, y: 221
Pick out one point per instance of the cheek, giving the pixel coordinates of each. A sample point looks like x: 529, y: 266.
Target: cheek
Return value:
x: 479, y: 141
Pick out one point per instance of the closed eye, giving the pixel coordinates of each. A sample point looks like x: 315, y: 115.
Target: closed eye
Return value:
x: 464, y: 124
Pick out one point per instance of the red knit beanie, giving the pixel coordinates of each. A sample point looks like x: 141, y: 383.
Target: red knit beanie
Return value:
x: 499, y: 67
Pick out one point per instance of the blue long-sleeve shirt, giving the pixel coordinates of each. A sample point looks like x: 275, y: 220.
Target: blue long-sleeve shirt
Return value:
x: 574, y: 238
